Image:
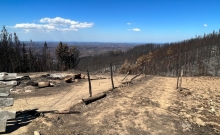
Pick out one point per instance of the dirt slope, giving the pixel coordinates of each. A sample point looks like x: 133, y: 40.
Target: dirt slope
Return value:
x: 151, y: 105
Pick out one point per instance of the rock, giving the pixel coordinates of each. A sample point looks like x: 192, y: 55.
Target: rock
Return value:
x: 199, y: 121
x: 36, y: 133
x: 52, y: 84
x: 68, y: 80
x: 212, y: 109
x: 82, y: 76
x: 188, y: 116
x: 29, y: 89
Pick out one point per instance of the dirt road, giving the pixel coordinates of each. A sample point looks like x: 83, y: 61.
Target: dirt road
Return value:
x: 151, y: 105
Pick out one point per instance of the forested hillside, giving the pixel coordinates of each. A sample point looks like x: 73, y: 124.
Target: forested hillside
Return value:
x: 26, y: 57
x: 100, y: 62
x: 196, y: 56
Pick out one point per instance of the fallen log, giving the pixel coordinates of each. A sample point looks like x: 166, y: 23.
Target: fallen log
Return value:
x: 98, y: 78
x: 66, y: 112
x: 127, y: 82
x: 136, y: 76
x: 94, y: 98
x: 43, y: 84
x: 125, y: 76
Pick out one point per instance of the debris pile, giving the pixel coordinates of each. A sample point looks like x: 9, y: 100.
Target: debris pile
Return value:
x: 16, y: 83
x: 10, y: 82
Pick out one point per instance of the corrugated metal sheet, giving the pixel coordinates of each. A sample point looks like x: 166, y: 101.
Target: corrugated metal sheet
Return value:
x: 5, y: 102
x: 7, y: 76
x: 4, y: 91
x: 4, y: 116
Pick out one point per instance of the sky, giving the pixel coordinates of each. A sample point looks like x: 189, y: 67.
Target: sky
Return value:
x: 132, y: 21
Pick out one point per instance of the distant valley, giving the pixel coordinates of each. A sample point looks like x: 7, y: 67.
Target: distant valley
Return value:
x: 88, y: 48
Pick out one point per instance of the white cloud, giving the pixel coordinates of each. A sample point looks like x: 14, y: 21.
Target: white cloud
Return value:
x: 136, y: 29
x: 51, y: 24
x: 34, y: 26
x: 58, y: 20
x: 205, y: 25
x: 130, y: 23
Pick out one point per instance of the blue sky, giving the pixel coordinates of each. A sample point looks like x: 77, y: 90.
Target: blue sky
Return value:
x: 144, y: 21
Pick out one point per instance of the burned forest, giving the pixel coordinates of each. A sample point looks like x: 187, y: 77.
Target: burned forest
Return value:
x: 146, y: 89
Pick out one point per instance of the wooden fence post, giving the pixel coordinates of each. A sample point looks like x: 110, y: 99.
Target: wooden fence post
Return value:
x: 181, y: 74
x: 112, y: 77
x: 90, y: 87
x: 177, y: 79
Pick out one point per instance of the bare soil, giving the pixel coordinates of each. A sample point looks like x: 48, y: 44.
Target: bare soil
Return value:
x: 149, y: 106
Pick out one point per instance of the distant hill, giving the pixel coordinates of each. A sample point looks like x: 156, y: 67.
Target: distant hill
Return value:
x: 100, y: 61
x: 89, y: 48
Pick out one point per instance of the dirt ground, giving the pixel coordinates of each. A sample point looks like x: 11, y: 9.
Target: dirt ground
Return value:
x: 149, y: 106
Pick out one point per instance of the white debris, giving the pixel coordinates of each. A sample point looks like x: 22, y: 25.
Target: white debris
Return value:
x: 7, y: 76
x: 56, y: 76
x: 11, y: 83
